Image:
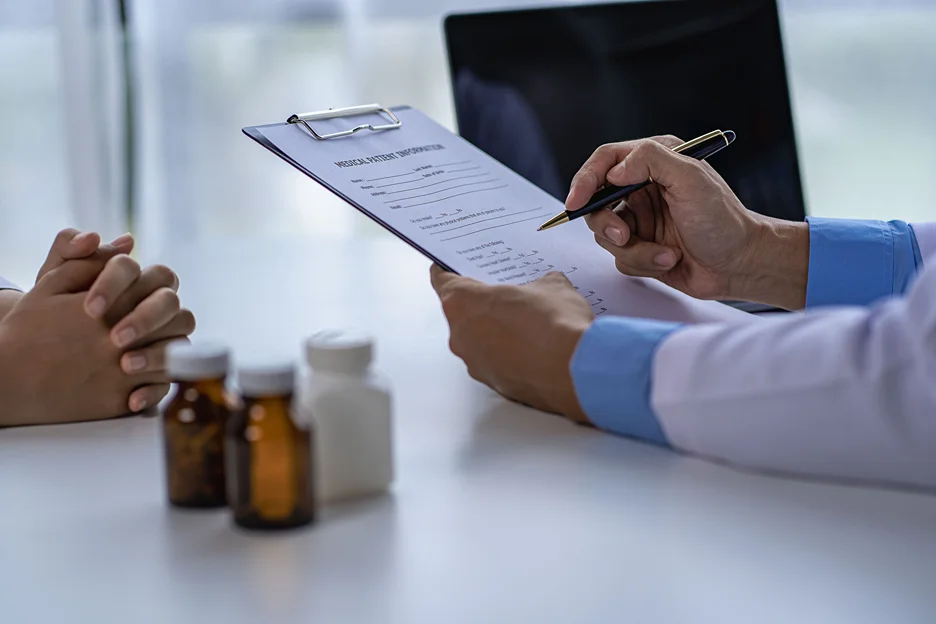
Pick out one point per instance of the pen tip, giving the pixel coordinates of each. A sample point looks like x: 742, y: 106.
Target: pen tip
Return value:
x: 562, y: 217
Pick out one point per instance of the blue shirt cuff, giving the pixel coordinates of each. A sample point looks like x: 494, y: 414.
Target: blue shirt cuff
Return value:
x: 612, y: 369
x: 858, y: 262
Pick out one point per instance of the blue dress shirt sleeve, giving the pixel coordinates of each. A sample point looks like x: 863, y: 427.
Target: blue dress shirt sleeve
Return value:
x: 611, y: 371
x: 858, y: 262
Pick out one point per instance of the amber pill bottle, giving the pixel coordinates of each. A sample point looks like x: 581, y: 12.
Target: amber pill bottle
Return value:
x: 270, y: 462
x: 194, y: 424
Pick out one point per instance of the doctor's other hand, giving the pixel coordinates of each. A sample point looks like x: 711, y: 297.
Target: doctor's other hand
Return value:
x: 519, y: 340
x: 688, y: 229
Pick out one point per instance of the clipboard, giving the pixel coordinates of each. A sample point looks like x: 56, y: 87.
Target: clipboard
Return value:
x: 305, y: 119
x: 462, y: 204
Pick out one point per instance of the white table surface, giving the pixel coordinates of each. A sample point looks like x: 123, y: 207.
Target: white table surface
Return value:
x: 499, y: 513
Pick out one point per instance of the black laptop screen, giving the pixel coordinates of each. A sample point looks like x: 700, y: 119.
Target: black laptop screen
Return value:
x: 540, y: 89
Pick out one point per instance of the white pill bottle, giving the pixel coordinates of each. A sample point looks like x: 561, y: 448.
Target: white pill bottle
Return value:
x: 351, y: 406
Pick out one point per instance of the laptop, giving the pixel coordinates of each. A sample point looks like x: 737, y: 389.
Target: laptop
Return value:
x: 540, y: 89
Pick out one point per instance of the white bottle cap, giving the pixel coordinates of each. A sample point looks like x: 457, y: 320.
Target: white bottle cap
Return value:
x: 267, y: 380
x: 340, y: 351
x: 193, y: 362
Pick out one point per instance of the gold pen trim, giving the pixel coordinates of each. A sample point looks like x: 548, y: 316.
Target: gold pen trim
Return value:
x: 559, y: 219
x: 705, y: 137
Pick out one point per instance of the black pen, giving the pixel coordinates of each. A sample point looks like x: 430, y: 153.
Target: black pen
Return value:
x: 699, y: 148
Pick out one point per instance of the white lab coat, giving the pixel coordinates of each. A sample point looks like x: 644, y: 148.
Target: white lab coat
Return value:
x: 837, y: 392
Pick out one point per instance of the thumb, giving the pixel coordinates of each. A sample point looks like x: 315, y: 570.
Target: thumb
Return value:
x: 652, y: 161
x: 70, y: 277
x: 69, y: 244
x: 444, y: 281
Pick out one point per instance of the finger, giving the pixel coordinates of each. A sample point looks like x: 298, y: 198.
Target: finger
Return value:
x: 118, y: 275
x: 71, y: 277
x: 124, y: 243
x: 147, y: 396
x: 610, y: 226
x: 181, y: 326
x: 642, y: 258
x: 151, y: 279
x: 69, y: 244
x: 148, y: 359
x: 554, y: 279
x: 651, y: 160
x: 594, y: 173
x: 153, y: 313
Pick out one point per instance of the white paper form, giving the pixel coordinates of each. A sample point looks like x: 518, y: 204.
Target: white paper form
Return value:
x: 474, y: 214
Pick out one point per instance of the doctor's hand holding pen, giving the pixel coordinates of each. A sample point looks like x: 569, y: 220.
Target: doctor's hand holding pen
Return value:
x: 688, y: 229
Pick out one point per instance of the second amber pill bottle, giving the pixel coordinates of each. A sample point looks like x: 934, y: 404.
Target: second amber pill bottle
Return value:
x: 269, y: 454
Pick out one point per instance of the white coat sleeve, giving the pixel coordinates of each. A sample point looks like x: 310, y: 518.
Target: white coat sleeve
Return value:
x: 840, y: 392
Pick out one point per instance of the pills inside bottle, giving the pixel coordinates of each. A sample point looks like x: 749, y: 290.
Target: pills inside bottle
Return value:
x: 194, y: 423
x: 270, y: 462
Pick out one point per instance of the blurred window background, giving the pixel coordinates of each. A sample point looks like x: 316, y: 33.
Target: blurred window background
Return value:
x: 108, y: 132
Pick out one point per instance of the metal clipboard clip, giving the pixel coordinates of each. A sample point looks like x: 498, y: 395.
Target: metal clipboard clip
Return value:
x: 349, y: 111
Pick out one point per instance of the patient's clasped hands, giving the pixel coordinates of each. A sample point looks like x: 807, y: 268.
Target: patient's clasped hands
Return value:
x: 88, y: 341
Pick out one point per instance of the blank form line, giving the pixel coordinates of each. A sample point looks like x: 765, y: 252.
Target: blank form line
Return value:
x: 399, y: 183
x: 510, y: 214
x: 402, y: 199
x: 399, y: 175
x: 465, y: 169
x: 493, y: 227
x: 416, y: 188
x: 493, y: 188
x: 460, y: 162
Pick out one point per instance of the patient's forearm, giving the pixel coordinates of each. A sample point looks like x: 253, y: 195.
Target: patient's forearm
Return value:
x: 8, y: 299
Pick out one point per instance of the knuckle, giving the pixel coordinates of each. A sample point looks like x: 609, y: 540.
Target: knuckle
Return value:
x: 608, y: 246
x: 151, y: 395
x: 64, y: 236
x: 449, y: 306
x: 125, y: 264
x: 168, y: 300
x: 622, y: 267
x: 557, y: 276
x: 157, y: 354
x: 644, y: 146
x: 186, y: 320
x: 670, y: 139
x: 605, y: 149
x: 453, y: 301
x: 163, y: 274
x: 475, y: 374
